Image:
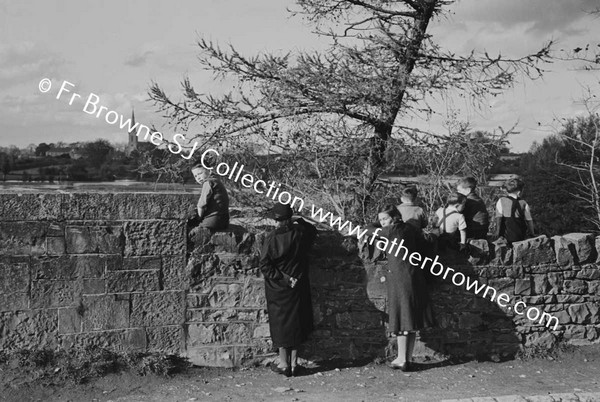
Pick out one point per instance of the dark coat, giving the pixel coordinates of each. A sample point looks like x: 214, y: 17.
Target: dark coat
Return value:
x: 408, y: 296
x: 477, y: 217
x: 284, y: 256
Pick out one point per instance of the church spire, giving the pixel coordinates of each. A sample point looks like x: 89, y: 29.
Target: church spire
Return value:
x: 132, y: 143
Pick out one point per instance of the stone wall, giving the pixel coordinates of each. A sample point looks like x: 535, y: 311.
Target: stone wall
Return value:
x: 116, y: 270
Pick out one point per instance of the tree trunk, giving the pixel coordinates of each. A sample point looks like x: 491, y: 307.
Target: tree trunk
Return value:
x: 383, y: 131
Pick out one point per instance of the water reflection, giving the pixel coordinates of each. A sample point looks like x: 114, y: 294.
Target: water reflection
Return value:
x: 112, y: 186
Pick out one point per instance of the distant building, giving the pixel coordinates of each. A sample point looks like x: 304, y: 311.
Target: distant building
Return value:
x: 76, y: 153
x: 56, y: 152
x: 132, y: 142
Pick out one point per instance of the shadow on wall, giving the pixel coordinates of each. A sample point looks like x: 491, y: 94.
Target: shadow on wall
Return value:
x: 227, y: 322
x: 227, y: 325
x: 469, y: 325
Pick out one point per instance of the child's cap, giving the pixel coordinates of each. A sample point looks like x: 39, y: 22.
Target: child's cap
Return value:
x: 467, y: 182
x: 281, y: 212
x: 409, y: 192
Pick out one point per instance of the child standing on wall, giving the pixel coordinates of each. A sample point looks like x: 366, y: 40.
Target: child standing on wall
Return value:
x: 475, y: 212
x: 513, y: 217
x: 411, y: 213
x: 451, y: 222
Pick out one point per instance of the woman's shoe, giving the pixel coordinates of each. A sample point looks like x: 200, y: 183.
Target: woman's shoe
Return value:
x: 286, y: 371
x: 298, y: 371
x: 404, y: 366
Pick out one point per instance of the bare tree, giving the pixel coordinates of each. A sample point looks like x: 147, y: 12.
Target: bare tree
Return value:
x: 382, y: 66
x: 583, y: 136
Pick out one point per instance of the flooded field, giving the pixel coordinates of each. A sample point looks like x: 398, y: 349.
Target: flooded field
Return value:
x: 114, y: 186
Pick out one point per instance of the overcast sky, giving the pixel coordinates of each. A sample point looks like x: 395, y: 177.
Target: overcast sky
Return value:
x: 116, y: 48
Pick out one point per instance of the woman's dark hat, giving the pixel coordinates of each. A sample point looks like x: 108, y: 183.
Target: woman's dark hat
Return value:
x: 281, y: 212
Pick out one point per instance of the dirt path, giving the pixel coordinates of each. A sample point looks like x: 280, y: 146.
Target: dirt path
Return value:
x: 577, y: 371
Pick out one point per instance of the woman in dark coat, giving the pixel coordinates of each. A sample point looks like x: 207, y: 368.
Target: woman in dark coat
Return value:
x: 408, y: 298
x: 284, y: 264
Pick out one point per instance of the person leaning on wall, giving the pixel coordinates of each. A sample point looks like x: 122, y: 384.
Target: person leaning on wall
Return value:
x: 513, y: 217
x: 284, y: 264
x: 213, y: 204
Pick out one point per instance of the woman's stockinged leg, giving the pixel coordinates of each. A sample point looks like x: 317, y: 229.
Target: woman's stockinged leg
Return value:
x: 412, y: 337
x: 294, y: 358
x: 402, y: 349
x: 284, y: 357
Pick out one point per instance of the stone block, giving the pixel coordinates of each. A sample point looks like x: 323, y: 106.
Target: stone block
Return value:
x: 154, y: 238
x: 562, y: 316
x: 594, y: 287
x: 195, y: 300
x: 173, y: 273
x: 157, y: 309
x: 589, y: 273
x: 575, y: 332
x: 359, y: 320
x: 13, y: 302
x: 556, y: 282
x: 135, y: 339
x: 69, y: 321
x: 102, y: 239
x: 105, y: 312
x: 503, y: 285
x: 168, y: 339
x: 592, y: 333
x: 576, y: 286
x: 212, y: 356
x: 523, y: 286
x: 63, y: 267
x: 30, y: 206
x: 135, y: 205
x: 569, y: 299
x: 136, y: 263
x: 89, y: 206
x: 541, y: 286
x: 469, y: 321
x: 261, y: 331
x: 583, y: 246
x: 55, y: 245
x: 23, y: 238
x: 579, y: 313
x: 31, y: 329
x: 597, y: 247
x: 226, y: 295
x: 564, y: 256
x: 253, y: 293
x: 115, y: 340
x: 133, y: 281
x: 546, y: 340
x: 53, y: 293
x: 501, y: 253
x: 93, y: 286
x: 535, y: 251
x: 479, y: 251
x: 14, y: 274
